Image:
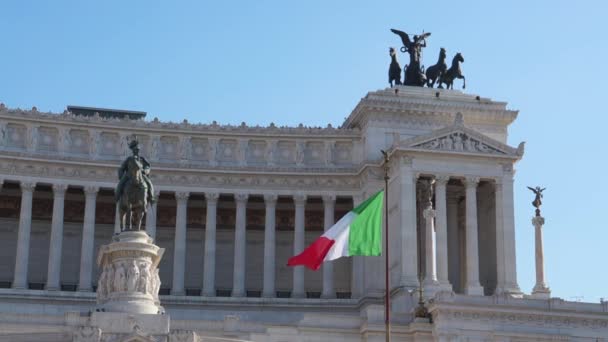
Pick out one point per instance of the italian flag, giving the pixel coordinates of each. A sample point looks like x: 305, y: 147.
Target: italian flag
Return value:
x: 359, y: 232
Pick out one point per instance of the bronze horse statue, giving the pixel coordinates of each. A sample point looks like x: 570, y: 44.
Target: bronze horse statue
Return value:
x: 134, y: 201
x: 453, y: 73
x: 394, y: 70
x: 434, y: 72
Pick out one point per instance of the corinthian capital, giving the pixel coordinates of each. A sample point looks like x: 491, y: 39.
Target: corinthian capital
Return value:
x: 182, y: 196
x: 59, y: 189
x: 241, y: 197
x: 299, y: 199
x: 27, y: 186
x: 212, y: 197
x: 471, y: 182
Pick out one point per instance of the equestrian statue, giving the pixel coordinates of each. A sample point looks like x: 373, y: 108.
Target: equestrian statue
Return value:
x: 134, y: 190
x: 415, y: 74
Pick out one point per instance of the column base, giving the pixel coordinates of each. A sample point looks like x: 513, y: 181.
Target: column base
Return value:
x: 52, y: 288
x: 298, y: 295
x: 509, y: 289
x: 541, y: 292
x: 445, y: 286
x: 86, y: 289
x: 474, y: 290
x: 237, y: 294
x: 208, y: 293
x: 409, y: 282
x: 269, y: 295
x: 178, y: 293
x: 328, y: 295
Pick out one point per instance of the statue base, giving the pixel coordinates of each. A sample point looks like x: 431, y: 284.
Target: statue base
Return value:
x: 129, y: 280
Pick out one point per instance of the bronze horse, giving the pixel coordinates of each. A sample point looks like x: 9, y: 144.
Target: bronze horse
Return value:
x: 133, y: 202
x: 434, y: 72
x: 453, y: 73
x: 394, y: 70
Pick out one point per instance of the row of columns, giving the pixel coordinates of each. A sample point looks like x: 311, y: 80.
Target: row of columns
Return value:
x: 436, y: 235
x: 179, y: 258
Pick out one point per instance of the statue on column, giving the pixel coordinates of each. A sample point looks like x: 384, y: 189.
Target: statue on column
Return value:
x: 538, y: 199
x: 134, y: 190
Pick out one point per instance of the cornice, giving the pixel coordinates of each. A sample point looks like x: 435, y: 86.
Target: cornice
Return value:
x: 168, y: 128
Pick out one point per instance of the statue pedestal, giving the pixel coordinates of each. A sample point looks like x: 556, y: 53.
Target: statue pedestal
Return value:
x: 129, y: 280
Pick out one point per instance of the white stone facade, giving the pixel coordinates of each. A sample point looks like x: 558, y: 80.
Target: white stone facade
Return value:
x: 237, y: 201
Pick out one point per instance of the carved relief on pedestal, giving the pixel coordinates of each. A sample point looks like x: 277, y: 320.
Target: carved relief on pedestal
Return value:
x: 48, y: 139
x: 15, y: 136
x: 129, y: 274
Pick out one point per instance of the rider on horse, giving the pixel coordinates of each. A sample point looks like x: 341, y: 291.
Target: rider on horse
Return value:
x: 123, y: 172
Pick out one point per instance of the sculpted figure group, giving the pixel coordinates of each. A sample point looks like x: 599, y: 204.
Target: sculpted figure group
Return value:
x: 128, y: 276
x: 414, y: 72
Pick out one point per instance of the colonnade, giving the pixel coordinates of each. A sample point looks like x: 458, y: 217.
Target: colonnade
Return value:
x: 179, y: 257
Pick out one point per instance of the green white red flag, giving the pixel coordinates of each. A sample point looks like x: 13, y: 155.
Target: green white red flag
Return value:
x: 359, y: 232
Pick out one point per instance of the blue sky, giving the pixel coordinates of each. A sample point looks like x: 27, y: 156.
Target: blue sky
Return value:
x: 310, y: 62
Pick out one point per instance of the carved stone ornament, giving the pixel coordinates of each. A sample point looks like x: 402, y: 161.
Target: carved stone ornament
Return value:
x: 87, y: 334
x: 460, y: 139
x: 129, y: 280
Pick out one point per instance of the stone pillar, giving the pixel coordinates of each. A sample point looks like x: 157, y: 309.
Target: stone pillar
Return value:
x: 540, y: 290
x: 298, y: 290
x: 151, y: 217
x: 508, y: 226
x: 409, y: 238
x: 430, y: 271
x: 56, y: 241
x: 23, y: 235
x: 88, y: 239
x: 240, y: 245
x: 455, y: 263
x: 441, y: 232
x: 117, y: 228
x: 356, y: 281
x: 270, y: 246
x: 179, y: 249
x: 210, y: 244
x: 473, y: 287
x: 329, y: 202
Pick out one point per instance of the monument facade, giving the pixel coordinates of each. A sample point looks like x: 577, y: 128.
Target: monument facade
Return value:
x: 231, y: 204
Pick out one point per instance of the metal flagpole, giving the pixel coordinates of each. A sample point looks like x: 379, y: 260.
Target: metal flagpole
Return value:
x: 387, y: 294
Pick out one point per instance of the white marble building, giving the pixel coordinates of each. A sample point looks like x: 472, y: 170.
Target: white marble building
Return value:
x: 236, y: 201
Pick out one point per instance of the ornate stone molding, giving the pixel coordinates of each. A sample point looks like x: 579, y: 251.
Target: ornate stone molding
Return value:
x: 212, y: 197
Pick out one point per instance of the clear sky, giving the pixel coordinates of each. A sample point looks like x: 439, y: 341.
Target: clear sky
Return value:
x: 309, y: 62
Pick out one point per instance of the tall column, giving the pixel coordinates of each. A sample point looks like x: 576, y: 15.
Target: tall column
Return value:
x: 455, y: 263
x: 88, y: 239
x: 179, y: 249
x: 510, y: 262
x: 409, y: 238
x: 23, y: 236
x: 56, y: 241
x: 500, y: 238
x: 117, y: 220
x: 240, y: 243
x: 298, y: 290
x: 540, y: 288
x: 329, y: 202
x: 269, y: 245
x: 441, y: 232
x: 210, y: 244
x: 356, y: 286
x: 473, y: 287
x: 430, y: 271
x: 151, y: 216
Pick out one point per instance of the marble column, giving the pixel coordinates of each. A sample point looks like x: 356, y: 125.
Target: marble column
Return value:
x: 210, y: 244
x: 500, y: 244
x: 441, y: 232
x: 269, y: 246
x: 356, y: 285
x: 240, y: 245
x: 430, y: 271
x: 454, y: 251
x: 473, y: 287
x: 510, y: 272
x: 23, y: 235
x: 56, y: 240
x: 298, y: 290
x: 179, y: 249
x: 329, y: 202
x: 409, y: 236
x: 151, y: 216
x: 540, y: 290
x: 85, y: 282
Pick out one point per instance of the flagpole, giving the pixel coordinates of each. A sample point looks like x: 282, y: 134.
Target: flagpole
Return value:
x: 387, y: 295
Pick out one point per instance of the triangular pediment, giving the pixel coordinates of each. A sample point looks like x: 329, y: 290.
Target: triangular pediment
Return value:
x: 459, y: 139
